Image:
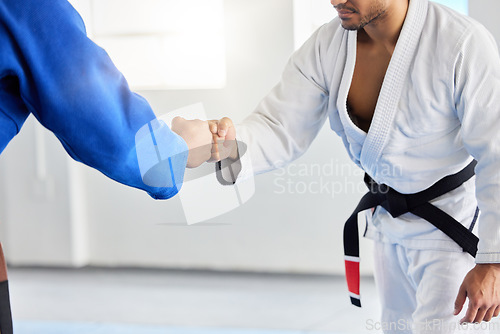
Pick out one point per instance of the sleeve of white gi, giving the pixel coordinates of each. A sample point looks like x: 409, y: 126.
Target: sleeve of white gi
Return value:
x: 288, y: 119
x: 477, y: 98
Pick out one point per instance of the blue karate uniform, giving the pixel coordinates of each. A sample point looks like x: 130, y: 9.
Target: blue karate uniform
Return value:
x: 50, y: 68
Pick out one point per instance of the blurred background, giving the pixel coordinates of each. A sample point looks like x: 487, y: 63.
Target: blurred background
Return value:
x: 83, y: 249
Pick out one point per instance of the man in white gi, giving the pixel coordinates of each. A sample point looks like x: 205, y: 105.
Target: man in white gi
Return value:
x: 414, y: 87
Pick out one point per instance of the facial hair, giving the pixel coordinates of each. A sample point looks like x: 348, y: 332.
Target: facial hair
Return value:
x: 377, y: 10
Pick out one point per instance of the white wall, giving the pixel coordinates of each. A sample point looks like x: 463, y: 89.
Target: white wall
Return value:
x: 43, y: 208
x: 60, y: 213
x: 486, y: 12
x: 93, y: 220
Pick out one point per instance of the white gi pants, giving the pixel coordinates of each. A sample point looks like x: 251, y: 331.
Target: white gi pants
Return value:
x: 418, y: 289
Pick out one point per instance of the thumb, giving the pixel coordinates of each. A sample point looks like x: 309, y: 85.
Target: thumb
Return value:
x: 459, y: 302
x: 224, y: 125
x: 213, y: 126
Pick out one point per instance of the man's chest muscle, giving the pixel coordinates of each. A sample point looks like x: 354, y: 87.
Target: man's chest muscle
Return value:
x: 365, y: 87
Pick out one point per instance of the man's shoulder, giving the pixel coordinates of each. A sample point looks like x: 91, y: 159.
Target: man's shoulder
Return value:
x: 328, y: 30
x: 448, y: 24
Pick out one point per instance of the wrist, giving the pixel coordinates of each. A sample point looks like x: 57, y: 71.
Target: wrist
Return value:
x: 495, y: 266
x: 234, y: 152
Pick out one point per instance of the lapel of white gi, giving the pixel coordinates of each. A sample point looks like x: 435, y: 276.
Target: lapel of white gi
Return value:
x: 387, y: 104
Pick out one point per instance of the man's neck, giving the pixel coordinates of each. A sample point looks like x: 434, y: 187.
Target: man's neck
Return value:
x: 386, y: 29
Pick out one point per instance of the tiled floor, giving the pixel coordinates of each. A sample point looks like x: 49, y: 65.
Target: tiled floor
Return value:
x: 25, y: 327
x: 123, y: 301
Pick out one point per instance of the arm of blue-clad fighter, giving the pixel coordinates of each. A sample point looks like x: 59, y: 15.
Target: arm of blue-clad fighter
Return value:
x: 73, y: 89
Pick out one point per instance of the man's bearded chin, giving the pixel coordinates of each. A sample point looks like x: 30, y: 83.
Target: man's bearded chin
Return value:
x: 351, y: 26
x: 364, y: 21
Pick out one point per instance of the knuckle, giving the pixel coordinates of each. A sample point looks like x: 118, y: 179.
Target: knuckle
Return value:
x: 487, y: 305
x: 475, y: 303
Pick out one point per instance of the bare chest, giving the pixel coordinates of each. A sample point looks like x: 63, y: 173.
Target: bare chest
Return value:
x: 366, y: 84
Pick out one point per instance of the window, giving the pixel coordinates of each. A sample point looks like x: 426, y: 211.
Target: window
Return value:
x: 161, y: 44
x: 461, y: 6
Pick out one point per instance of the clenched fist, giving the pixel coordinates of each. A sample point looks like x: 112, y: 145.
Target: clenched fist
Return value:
x: 197, y: 135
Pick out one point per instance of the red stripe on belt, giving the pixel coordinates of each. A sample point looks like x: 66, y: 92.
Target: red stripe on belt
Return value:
x: 352, y: 276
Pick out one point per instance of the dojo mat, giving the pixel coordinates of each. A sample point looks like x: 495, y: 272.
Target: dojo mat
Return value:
x: 39, y: 327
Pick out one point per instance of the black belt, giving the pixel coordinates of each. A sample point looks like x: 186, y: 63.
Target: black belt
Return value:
x: 397, y: 204
x: 5, y: 312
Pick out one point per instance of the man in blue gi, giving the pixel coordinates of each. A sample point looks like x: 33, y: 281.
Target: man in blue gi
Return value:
x: 51, y: 69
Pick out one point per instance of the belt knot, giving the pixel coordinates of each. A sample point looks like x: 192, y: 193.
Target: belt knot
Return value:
x: 394, y: 202
x: 397, y: 204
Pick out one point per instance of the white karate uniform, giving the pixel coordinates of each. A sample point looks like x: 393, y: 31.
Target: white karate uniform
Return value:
x: 438, y: 107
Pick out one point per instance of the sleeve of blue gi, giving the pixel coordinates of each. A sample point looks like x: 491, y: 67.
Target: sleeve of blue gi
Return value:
x: 72, y: 87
